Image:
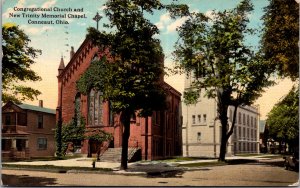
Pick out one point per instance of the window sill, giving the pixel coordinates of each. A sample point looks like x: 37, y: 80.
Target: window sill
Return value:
x: 195, y: 125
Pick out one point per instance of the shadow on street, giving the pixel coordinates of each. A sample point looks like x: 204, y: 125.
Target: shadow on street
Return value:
x: 25, y: 180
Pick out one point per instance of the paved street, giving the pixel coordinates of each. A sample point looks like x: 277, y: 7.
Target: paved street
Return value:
x: 251, y: 174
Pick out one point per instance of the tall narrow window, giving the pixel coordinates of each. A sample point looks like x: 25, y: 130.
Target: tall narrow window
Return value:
x: 7, y: 120
x: 77, y: 109
x: 111, y: 115
x: 42, y: 143
x: 95, y: 108
x: 199, y: 136
x: 248, y: 124
x: 240, y: 121
x: 193, y: 119
x: 199, y: 118
x: 204, y: 118
x: 40, y: 121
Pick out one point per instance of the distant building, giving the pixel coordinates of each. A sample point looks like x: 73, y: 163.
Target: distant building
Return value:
x: 263, y: 136
x: 27, y: 131
x: 157, y: 136
x: 202, y: 131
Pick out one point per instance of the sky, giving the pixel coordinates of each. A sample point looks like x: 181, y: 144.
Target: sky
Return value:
x: 55, y: 40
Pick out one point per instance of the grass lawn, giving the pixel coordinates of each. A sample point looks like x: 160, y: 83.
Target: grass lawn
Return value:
x: 202, y: 164
x: 179, y: 159
x: 51, y: 158
x: 52, y: 167
x: 260, y: 155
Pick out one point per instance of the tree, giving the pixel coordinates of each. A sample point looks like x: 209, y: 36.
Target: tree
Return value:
x: 283, y: 120
x: 71, y: 132
x: 17, y: 58
x: 280, y: 37
x: 130, y: 75
x: 99, y: 136
x: 212, y: 49
x: 74, y: 133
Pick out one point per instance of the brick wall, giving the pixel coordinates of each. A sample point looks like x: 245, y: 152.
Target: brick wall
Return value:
x: 139, y: 136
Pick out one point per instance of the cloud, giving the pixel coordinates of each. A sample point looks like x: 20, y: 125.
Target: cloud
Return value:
x: 35, y: 30
x: 173, y: 26
x: 210, y: 14
x: 102, y: 8
x: 6, y: 14
x: 163, y: 21
x: 49, y: 4
x: 20, y: 3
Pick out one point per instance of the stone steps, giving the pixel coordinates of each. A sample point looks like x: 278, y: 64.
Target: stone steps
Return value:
x: 114, y: 154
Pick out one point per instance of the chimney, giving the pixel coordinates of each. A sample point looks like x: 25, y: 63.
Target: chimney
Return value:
x: 41, y: 103
x: 72, y: 52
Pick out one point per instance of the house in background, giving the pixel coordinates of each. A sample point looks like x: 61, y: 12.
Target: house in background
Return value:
x: 263, y: 136
x: 202, y: 130
x: 154, y: 137
x: 27, y: 131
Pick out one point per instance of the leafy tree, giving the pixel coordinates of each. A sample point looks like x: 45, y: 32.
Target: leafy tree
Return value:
x: 99, y: 136
x: 71, y: 132
x: 280, y: 37
x: 17, y: 58
x: 130, y: 77
x: 75, y: 133
x: 213, y: 51
x: 283, y: 120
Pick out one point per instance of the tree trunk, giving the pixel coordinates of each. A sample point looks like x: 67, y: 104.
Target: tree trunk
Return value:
x: 222, y: 105
x: 223, y: 137
x: 125, y: 120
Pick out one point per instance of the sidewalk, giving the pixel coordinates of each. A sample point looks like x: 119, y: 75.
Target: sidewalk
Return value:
x: 139, y: 167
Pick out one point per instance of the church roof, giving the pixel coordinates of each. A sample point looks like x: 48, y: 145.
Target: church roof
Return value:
x: 62, y: 64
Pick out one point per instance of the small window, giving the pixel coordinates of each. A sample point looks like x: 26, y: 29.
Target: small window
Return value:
x: 40, y: 121
x: 42, y: 143
x: 193, y: 119
x: 248, y: 133
x: 199, y: 136
x: 248, y: 124
x: 240, y: 118
x: 199, y: 118
x: 204, y: 118
x: 7, y: 120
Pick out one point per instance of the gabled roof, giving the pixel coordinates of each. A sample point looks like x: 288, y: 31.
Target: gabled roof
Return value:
x: 20, y: 107
x: 36, y: 108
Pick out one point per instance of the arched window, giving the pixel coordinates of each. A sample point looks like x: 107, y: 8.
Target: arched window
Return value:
x: 77, y: 109
x: 95, y: 108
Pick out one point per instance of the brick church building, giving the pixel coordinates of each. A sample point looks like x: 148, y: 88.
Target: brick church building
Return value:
x: 157, y: 137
